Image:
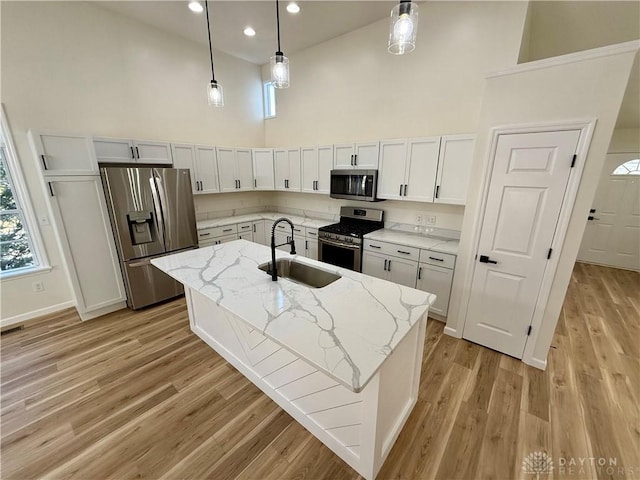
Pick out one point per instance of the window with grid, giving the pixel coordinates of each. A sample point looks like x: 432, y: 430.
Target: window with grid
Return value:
x: 16, y: 246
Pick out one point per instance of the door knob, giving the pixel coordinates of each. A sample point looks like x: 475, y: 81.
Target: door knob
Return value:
x: 486, y: 259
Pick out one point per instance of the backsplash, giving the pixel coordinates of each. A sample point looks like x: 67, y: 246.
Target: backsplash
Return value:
x: 397, y: 215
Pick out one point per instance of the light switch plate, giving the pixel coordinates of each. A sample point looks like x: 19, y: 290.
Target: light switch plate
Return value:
x: 430, y: 220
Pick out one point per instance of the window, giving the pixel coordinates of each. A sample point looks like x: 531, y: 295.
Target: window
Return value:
x: 17, y: 249
x: 632, y: 167
x: 269, y: 100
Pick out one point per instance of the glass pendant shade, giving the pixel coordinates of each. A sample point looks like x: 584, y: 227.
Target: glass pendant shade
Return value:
x: 403, y: 28
x: 280, y: 70
x: 215, y: 94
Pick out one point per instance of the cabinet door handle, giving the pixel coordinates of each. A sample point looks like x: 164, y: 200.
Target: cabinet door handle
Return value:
x: 51, y: 189
x: 239, y: 184
x: 385, y: 264
x: 133, y: 155
x: 306, y: 244
x: 374, y: 246
x: 352, y: 160
x: 255, y: 183
x: 403, y: 252
x: 44, y: 162
x: 254, y: 228
x: 389, y: 266
x: 420, y: 273
x: 405, y: 189
x: 437, y: 190
x: 137, y: 153
x: 400, y: 192
x: 227, y: 230
x: 355, y: 159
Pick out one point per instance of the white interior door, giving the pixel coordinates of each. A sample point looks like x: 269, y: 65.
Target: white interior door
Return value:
x: 612, y: 236
x: 528, y: 183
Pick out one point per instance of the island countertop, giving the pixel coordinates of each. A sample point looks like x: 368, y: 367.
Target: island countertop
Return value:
x: 346, y: 329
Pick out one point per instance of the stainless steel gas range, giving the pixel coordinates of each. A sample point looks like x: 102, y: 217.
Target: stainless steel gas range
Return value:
x: 340, y: 244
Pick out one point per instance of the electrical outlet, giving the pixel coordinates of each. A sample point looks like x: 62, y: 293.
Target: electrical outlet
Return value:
x: 418, y: 219
x: 430, y: 220
x: 38, y: 286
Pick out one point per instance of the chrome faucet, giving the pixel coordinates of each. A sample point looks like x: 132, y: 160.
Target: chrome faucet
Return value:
x: 274, y: 269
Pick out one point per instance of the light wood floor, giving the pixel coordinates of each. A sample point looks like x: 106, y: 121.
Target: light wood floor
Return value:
x: 136, y: 395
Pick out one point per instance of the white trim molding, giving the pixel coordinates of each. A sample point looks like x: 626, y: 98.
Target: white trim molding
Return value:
x: 24, y: 317
x: 22, y: 193
x: 586, y: 127
x: 607, y: 51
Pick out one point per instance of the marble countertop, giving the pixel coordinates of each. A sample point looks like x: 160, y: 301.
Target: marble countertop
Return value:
x: 297, y: 220
x: 415, y: 240
x: 346, y: 329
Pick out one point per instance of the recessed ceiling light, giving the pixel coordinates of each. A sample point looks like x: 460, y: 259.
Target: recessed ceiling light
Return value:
x: 249, y: 32
x: 293, y: 7
x: 195, y: 7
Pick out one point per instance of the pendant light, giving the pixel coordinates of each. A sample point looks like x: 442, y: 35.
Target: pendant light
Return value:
x: 214, y: 91
x: 403, y: 27
x: 279, y: 63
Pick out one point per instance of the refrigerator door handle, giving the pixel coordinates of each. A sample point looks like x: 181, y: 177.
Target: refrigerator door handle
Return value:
x: 157, y: 207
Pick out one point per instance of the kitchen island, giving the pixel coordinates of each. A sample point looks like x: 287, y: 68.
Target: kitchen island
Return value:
x: 343, y: 360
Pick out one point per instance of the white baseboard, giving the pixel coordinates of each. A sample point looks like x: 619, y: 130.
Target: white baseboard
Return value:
x: 452, y: 332
x: 536, y: 362
x: 23, y: 317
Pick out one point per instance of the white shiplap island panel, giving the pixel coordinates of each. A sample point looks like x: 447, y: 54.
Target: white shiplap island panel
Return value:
x: 344, y: 360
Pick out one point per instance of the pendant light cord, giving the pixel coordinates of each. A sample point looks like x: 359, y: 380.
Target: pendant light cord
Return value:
x: 213, y: 75
x: 278, y: 22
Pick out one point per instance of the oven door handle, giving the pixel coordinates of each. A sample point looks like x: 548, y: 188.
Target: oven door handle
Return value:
x: 340, y: 244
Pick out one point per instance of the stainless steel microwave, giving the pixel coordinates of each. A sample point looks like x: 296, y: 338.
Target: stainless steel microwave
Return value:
x: 354, y: 185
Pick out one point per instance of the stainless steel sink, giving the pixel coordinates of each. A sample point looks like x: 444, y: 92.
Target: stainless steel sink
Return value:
x: 301, y: 273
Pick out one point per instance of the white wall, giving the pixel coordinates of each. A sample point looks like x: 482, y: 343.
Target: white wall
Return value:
x: 586, y: 89
x: 77, y: 67
x: 349, y: 88
x: 625, y: 140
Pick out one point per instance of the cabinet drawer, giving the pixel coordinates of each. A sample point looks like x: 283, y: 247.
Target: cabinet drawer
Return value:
x: 210, y: 233
x: 392, y: 249
x: 285, y: 227
x: 311, y: 232
x: 436, y: 258
x: 245, y: 227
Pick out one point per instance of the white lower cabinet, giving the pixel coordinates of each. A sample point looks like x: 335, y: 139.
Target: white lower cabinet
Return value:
x: 259, y: 234
x: 436, y: 280
x: 311, y: 245
x: 394, y: 269
x: 423, y: 269
x: 86, y: 238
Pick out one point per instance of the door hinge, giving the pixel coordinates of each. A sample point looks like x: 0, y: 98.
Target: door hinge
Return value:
x: 529, y: 331
x: 573, y: 160
x: 549, y: 254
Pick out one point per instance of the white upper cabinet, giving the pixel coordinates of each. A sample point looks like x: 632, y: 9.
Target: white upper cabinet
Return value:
x: 408, y: 169
x: 184, y: 156
x: 287, y: 169
x: 64, y: 154
x: 317, y: 163
x: 201, y: 161
x: 235, y: 169
x: 263, y: 176
x: 116, y: 150
x: 456, y: 155
x: 392, y: 177
x: 356, y: 156
x: 207, y: 169
x: 422, y: 165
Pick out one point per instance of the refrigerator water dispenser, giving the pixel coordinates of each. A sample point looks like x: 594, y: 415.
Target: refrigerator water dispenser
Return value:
x: 140, y: 227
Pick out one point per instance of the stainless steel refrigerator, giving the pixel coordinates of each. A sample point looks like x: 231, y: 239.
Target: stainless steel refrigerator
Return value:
x: 152, y: 215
